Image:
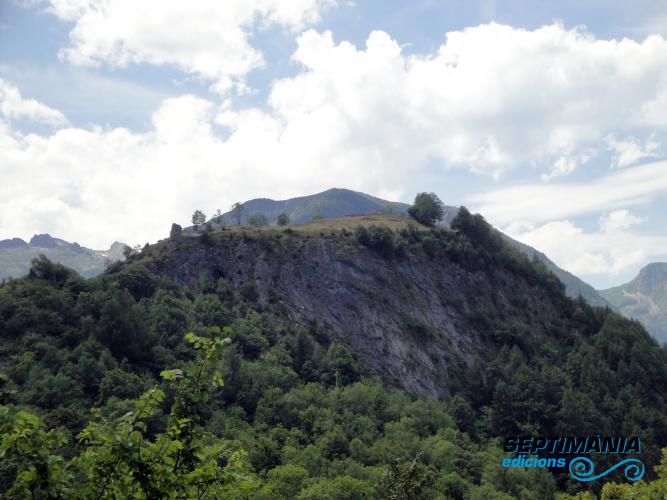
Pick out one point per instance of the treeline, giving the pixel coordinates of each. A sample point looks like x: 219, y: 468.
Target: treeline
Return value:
x: 249, y: 407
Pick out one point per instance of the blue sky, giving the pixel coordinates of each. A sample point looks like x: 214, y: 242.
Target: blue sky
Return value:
x: 548, y: 117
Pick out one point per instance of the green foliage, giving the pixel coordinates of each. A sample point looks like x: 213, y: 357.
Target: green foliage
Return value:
x: 311, y: 421
x: 378, y: 238
x: 427, y: 209
x: 236, y: 212
x: 258, y: 220
x: 198, y: 218
x: 120, y: 457
x: 283, y: 219
x: 29, y: 466
x: 640, y: 489
x: 404, y: 482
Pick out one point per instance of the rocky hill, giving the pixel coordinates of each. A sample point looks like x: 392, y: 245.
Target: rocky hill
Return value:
x: 644, y: 298
x: 16, y: 255
x: 418, y: 306
x: 336, y: 202
x: 329, y: 204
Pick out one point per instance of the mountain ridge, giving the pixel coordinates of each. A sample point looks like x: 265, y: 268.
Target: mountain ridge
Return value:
x: 302, y: 209
x: 644, y: 298
x: 16, y: 255
x: 330, y: 204
x: 417, y: 299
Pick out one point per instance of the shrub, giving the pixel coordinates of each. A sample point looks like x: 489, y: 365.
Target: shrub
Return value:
x: 283, y: 219
x: 377, y: 238
x: 258, y: 220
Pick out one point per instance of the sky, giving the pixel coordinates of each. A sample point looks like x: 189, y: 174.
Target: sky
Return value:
x: 119, y: 117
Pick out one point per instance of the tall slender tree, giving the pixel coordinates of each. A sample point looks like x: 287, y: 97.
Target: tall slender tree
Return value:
x: 237, y: 208
x: 198, y: 218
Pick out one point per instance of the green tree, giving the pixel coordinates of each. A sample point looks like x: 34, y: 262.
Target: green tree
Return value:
x: 258, y: 220
x: 427, y: 209
x: 405, y: 482
x: 237, y: 209
x: 283, y: 219
x: 29, y: 467
x: 198, y: 218
x: 122, y: 460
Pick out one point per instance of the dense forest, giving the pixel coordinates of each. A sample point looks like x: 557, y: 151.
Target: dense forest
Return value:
x: 129, y: 386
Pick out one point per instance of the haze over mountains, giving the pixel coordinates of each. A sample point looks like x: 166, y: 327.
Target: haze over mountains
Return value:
x: 16, y: 255
x: 644, y: 298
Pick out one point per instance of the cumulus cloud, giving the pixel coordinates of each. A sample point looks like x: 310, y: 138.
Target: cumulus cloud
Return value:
x: 98, y: 185
x: 13, y: 106
x: 630, y: 150
x: 613, y: 249
x: 209, y: 39
x: 491, y: 98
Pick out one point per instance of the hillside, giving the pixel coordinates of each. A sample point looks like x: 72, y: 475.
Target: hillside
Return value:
x: 574, y: 286
x: 16, y: 255
x: 317, y: 274
x: 335, y: 203
x: 329, y: 204
x: 361, y: 357
x: 644, y: 298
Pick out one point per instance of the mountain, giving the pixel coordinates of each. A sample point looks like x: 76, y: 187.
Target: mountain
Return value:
x: 336, y: 202
x: 16, y: 255
x: 328, y: 204
x: 644, y: 298
x: 362, y: 357
x: 316, y: 274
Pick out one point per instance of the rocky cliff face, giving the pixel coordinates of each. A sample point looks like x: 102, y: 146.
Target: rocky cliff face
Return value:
x: 415, y: 319
x: 644, y: 298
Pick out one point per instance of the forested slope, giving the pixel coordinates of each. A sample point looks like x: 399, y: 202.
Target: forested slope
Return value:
x: 304, y: 411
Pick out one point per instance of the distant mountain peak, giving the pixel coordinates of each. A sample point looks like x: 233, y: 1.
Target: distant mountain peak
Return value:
x: 42, y: 240
x: 16, y: 255
x: 330, y: 204
x: 13, y: 243
x: 644, y: 298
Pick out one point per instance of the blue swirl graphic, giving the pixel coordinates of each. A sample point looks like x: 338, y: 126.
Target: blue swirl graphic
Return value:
x: 582, y: 469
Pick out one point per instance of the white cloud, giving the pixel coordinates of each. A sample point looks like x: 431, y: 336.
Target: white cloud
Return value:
x: 13, y: 106
x: 565, y: 165
x: 613, y: 249
x: 209, y: 39
x: 491, y: 98
x: 104, y: 184
x: 537, y: 203
x: 629, y: 150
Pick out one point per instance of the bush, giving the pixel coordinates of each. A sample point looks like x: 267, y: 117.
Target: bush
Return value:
x: 377, y: 238
x: 283, y: 219
x: 257, y: 220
